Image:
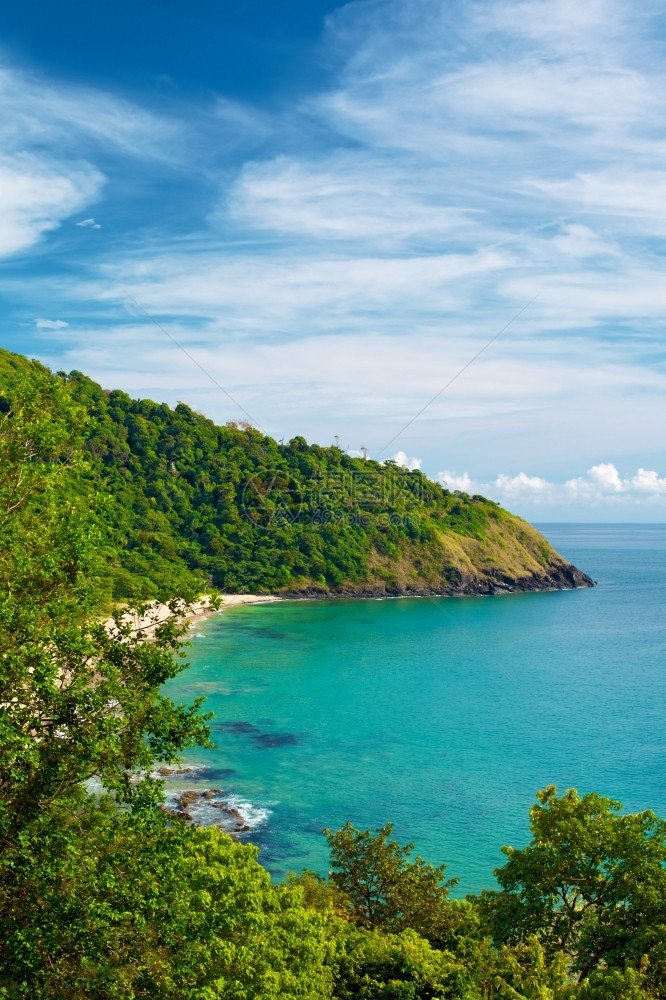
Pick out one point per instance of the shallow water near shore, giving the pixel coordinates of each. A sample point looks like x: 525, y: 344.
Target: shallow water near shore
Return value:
x: 443, y: 715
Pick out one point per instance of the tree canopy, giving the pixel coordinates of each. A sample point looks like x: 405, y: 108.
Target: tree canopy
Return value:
x: 385, y: 889
x: 591, y: 885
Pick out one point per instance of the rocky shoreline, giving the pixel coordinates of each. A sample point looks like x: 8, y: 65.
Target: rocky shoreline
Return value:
x: 195, y: 805
x: 559, y: 577
x: 233, y: 821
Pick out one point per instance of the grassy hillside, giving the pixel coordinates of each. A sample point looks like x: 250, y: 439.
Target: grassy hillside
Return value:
x: 188, y: 503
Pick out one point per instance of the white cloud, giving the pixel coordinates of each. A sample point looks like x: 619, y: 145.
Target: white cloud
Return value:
x: 606, y: 477
x: 456, y: 67
x: 298, y: 289
x: 516, y: 485
x: 52, y: 136
x: 573, y: 94
x: 452, y: 481
x: 36, y: 195
x: 401, y: 458
x: 648, y: 482
x: 42, y: 113
x: 625, y: 192
x: 344, y: 195
x: 577, y: 240
x: 51, y: 324
x: 566, y: 26
x: 602, y: 487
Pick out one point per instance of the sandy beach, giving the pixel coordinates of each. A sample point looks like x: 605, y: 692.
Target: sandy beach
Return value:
x: 197, y: 611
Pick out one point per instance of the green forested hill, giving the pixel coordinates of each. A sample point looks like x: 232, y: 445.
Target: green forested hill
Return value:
x: 189, y: 503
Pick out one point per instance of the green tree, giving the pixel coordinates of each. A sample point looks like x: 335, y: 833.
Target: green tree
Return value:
x: 318, y: 894
x: 125, y: 905
x: 631, y: 984
x: 372, y: 965
x: 78, y: 700
x: 591, y: 884
x: 385, y: 889
x: 523, y: 972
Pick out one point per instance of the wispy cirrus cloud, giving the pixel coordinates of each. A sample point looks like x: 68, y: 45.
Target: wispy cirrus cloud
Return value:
x: 627, y: 193
x: 49, y: 135
x: 61, y: 141
x: 51, y: 324
x: 346, y: 195
x: 36, y: 194
x: 40, y: 113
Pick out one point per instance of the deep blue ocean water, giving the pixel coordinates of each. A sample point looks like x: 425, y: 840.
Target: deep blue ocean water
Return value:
x: 442, y: 715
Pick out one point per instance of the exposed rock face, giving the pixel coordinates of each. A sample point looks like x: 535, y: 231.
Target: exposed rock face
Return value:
x: 164, y: 771
x: 187, y: 798
x: 558, y: 575
x: 232, y: 821
x: 569, y: 577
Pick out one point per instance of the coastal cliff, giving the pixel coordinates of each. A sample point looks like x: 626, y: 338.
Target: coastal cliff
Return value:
x: 185, y: 504
x: 511, y: 557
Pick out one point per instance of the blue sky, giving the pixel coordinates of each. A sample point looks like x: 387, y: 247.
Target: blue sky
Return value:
x: 334, y: 207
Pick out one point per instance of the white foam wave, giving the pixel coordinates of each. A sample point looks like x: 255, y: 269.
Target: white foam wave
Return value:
x: 253, y: 815
x: 222, y: 810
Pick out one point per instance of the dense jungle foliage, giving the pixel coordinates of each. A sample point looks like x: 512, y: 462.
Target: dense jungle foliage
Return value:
x: 104, y: 896
x: 185, y: 503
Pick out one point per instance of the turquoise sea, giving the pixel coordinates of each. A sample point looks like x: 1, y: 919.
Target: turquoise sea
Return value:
x: 442, y: 715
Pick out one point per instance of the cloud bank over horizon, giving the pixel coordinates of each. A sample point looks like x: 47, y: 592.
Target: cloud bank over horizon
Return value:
x: 602, y: 490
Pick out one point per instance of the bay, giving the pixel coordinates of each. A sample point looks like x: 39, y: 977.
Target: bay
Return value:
x: 444, y: 715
